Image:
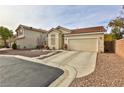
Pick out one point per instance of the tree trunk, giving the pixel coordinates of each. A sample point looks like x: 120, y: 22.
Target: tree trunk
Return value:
x: 5, y: 44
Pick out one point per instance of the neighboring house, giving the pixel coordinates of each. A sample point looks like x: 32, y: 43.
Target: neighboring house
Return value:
x: 29, y: 37
x: 83, y: 39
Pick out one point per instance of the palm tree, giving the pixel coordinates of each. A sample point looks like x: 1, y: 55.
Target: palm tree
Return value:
x: 5, y: 34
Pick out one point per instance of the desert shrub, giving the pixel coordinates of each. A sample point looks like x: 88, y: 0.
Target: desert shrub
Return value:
x: 24, y: 47
x: 65, y: 46
x: 14, y: 46
x: 39, y: 47
x: 46, y: 47
x: 53, y: 48
x: 42, y: 46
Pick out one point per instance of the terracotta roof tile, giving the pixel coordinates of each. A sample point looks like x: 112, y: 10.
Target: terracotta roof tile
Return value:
x: 88, y: 30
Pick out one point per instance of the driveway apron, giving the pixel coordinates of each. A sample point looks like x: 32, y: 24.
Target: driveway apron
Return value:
x: 83, y: 62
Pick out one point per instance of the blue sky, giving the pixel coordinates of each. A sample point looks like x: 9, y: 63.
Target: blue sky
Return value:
x: 46, y: 17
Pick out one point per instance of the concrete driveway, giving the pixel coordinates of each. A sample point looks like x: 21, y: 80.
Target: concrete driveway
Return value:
x: 83, y: 62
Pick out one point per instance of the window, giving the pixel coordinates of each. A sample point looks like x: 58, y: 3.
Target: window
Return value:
x: 20, y: 32
x: 52, y: 39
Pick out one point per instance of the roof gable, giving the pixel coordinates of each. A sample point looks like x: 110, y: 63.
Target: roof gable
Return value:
x: 31, y: 28
x: 60, y: 29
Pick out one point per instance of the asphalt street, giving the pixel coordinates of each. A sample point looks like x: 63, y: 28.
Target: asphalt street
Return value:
x: 16, y: 72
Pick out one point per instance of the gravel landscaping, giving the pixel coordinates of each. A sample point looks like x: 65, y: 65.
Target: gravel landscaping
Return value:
x: 27, y: 53
x: 109, y: 72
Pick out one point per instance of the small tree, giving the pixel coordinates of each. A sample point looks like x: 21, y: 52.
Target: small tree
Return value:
x: 41, y: 41
x: 5, y: 34
x: 117, y: 25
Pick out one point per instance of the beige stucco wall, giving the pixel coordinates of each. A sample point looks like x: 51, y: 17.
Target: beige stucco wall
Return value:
x: 98, y: 36
x: 59, y: 39
x: 29, y: 40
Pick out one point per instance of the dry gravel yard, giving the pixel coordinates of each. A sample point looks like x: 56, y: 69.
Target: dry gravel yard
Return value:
x: 27, y: 53
x: 109, y: 72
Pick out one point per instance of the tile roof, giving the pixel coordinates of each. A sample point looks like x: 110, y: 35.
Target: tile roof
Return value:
x: 88, y: 30
x: 59, y: 28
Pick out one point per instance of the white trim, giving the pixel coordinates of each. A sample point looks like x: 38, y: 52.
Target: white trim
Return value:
x: 83, y: 34
x: 20, y: 36
x: 97, y: 44
x: 83, y: 38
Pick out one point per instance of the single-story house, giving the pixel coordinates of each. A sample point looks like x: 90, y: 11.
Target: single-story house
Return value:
x: 82, y: 39
x: 29, y: 37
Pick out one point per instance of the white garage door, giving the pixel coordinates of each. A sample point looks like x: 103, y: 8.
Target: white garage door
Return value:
x: 87, y: 44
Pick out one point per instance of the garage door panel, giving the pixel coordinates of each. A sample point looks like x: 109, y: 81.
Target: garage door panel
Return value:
x: 83, y: 44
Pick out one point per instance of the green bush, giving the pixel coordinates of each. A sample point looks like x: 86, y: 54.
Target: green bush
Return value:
x: 14, y: 46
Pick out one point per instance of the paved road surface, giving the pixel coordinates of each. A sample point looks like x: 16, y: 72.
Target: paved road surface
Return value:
x: 20, y: 73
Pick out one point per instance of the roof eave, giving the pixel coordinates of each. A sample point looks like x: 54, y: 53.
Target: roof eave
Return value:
x: 70, y: 34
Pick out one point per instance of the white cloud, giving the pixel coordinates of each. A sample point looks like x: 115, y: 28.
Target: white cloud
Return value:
x: 47, y: 17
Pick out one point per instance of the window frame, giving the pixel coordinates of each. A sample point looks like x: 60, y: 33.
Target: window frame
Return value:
x: 53, y: 39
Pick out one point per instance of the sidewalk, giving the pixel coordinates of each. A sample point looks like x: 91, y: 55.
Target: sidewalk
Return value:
x: 3, y: 49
